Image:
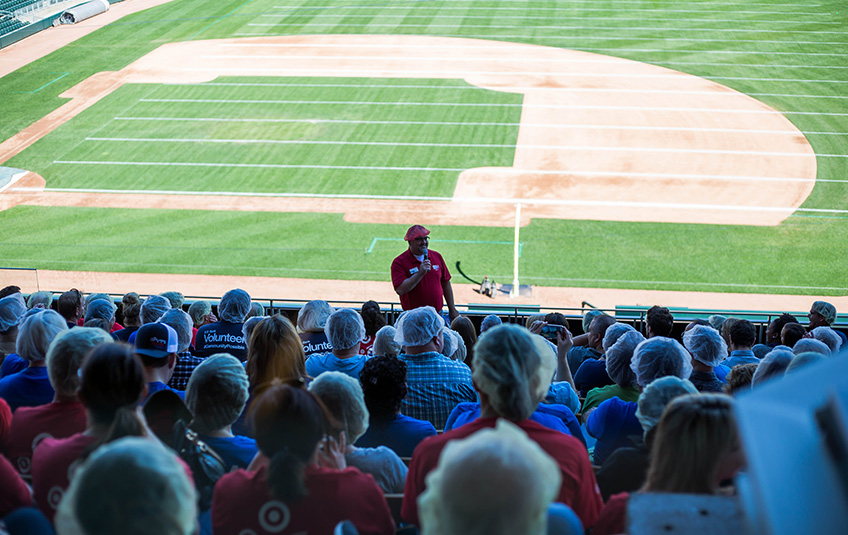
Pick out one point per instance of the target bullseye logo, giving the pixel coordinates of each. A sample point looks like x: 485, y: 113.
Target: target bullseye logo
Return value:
x: 274, y: 516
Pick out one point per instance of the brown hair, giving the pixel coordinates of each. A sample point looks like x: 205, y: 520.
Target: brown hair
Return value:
x: 739, y: 379
x: 275, y: 351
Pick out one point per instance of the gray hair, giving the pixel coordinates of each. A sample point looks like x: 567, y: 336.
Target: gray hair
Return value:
x: 384, y: 342
x: 345, y: 329
x: 313, y: 316
x: 37, y: 332
x: 342, y: 395
x: 65, y: 356
x: 153, y: 308
x: 256, y: 309
x: 180, y: 322
x: 233, y: 306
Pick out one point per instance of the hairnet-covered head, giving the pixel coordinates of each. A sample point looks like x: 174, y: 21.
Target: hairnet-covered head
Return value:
x: 658, y: 357
x: 495, y: 482
x: 418, y: 326
x: 343, y: 397
x: 705, y: 344
x: 216, y: 393
x: 153, y: 308
x: 40, y: 299
x: 514, y: 369
x: 614, y: 332
x: 802, y: 360
x: 100, y: 309
x: 761, y: 350
x: 619, y: 355
x: 37, y: 332
x: 181, y: 322
x: 488, y: 322
x: 805, y: 345
x: 773, y: 365
x: 198, y: 312
x: 65, y: 356
x: 588, y: 316
x: 132, y: 486
x: 176, y: 299
x: 345, y: 329
x: 717, y: 321
x: 454, y: 346
x: 234, y: 306
x: 249, y: 324
x: 827, y: 311
x: 313, y: 317
x: 384, y: 342
x: 657, y: 395
x: 12, y: 308
x: 829, y: 337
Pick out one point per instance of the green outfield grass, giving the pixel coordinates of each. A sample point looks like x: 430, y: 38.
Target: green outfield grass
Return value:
x: 789, y: 55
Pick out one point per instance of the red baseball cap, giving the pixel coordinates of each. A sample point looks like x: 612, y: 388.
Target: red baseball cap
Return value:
x: 416, y: 231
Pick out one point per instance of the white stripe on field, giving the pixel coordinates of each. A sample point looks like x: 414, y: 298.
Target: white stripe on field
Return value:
x: 485, y: 105
x: 476, y: 200
x: 419, y: 7
x: 502, y: 170
x: 593, y: 28
x: 460, y: 145
x: 582, y: 38
x: 383, y: 57
x: 581, y: 3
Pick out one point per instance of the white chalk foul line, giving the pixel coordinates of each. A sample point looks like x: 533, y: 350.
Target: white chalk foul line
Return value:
x: 530, y: 59
x: 563, y: 37
x: 502, y: 170
x: 457, y: 145
x: 488, y: 105
x: 475, y: 200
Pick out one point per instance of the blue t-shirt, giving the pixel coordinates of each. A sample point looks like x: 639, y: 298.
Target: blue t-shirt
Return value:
x: 613, y: 423
x: 401, y: 434
x: 154, y: 387
x: 29, y: 387
x: 578, y: 354
x: 236, y: 451
x: 561, y: 393
x: 721, y: 372
x: 12, y: 364
x: 592, y: 374
x: 327, y: 362
x: 556, y: 417
x: 741, y: 356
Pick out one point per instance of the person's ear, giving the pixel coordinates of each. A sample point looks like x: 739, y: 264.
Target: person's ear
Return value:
x: 172, y: 360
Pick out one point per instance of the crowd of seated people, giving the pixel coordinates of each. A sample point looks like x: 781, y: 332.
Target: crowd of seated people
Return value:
x: 446, y: 428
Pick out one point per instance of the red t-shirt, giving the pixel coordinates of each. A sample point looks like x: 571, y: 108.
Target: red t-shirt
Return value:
x: 5, y: 422
x: 428, y: 291
x: 243, y: 503
x: 53, y: 462
x: 366, y: 344
x: 578, y: 489
x: 31, y: 425
x: 13, y: 491
x: 614, y: 515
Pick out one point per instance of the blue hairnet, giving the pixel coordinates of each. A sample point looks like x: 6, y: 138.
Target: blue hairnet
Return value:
x: 488, y: 322
x: 803, y: 360
x: 773, y: 365
x: 234, y: 306
x: 619, y: 355
x: 12, y: 308
x: 344, y: 329
x: 805, y: 345
x: 705, y: 344
x: 657, y: 395
x: 418, y: 326
x: 658, y: 357
x: 614, y: 332
x: 100, y: 309
x: 37, y: 332
x: 153, y: 308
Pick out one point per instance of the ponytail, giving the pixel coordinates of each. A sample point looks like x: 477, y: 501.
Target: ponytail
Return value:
x: 126, y: 423
x: 287, y: 477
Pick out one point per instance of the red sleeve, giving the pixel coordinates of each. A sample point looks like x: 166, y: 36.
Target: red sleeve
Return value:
x: 587, y: 502
x: 14, y: 493
x: 377, y: 518
x: 398, y: 273
x: 424, y: 459
x: 446, y: 276
x: 5, y: 424
x: 613, y: 516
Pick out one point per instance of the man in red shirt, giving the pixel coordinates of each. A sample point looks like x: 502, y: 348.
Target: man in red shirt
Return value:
x: 420, y: 276
x: 512, y: 372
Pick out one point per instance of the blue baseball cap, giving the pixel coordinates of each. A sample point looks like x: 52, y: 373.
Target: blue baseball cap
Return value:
x: 156, y: 340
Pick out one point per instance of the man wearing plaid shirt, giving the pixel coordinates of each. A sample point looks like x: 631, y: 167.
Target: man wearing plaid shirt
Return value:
x: 186, y: 362
x: 435, y: 383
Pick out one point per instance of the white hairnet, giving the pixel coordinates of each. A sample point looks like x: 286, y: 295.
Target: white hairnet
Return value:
x: 829, y: 337
x: 773, y: 365
x: 655, y: 397
x: 488, y: 322
x: 42, y: 298
x: 344, y: 328
x: 590, y: 315
x: 249, y: 324
x: 619, y: 355
x: 717, y: 320
x: 514, y: 369
x: 176, y: 299
x: 803, y: 360
x: 12, y: 308
x: 100, y: 309
x: 234, y: 306
x: 132, y: 486
x: 181, y: 322
x: 90, y: 298
x: 216, y: 393
x: 37, y: 332
x: 806, y: 345
x: 614, y: 332
x: 658, y: 357
x: 495, y: 482
x: 313, y: 316
x: 153, y: 308
x: 343, y: 397
x: 705, y: 344
x: 65, y: 356
x: 454, y: 347
x: 418, y: 326
x: 199, y: 310
x: 384, y: 342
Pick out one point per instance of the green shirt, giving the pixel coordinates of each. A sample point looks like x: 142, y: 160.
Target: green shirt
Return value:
x: 598, y: 395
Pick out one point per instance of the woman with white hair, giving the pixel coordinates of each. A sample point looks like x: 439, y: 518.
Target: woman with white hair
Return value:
x: 132, y: 486
x: 342, y: 395
x: 31, y: 386
x: 298, y: 482
x: 311, y: 320
x: 65, y: 415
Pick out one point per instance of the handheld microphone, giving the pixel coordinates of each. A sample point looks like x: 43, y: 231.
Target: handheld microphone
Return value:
x: 426, y: 254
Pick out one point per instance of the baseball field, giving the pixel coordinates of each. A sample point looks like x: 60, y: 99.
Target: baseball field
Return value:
x: 652, y: 145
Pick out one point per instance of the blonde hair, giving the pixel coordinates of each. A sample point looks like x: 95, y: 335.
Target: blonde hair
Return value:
x: 696, y: 432
x: 275, y: 351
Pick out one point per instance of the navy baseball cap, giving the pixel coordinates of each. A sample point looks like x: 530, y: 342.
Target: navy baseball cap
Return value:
x: 156, y: 340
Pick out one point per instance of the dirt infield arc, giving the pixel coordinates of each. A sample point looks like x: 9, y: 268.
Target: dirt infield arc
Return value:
x: 600, y: 138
